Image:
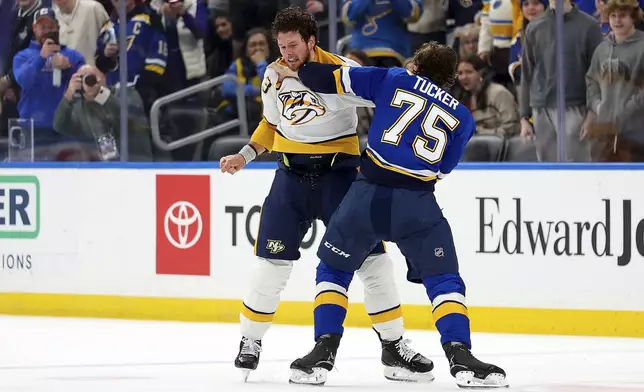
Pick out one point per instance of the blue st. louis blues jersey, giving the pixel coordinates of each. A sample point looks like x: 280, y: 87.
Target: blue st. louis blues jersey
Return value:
x: 147, y: 49
x: 419, y: 131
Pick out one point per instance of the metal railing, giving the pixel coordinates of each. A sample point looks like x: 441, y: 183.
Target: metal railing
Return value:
x: 241, y: 121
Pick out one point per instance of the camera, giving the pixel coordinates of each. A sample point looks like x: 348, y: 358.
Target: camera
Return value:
x: 89, y: 80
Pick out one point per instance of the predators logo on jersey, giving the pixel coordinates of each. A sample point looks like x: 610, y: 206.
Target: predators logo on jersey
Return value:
x: 300, y: 107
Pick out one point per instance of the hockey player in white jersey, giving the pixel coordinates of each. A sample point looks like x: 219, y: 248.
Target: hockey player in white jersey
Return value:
x: 318, y: 155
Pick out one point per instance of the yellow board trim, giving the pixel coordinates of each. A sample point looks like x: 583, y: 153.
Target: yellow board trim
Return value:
x: 384, y: 317
x: 257, y: 317
x: 482, y: 319
x: 449, y: 308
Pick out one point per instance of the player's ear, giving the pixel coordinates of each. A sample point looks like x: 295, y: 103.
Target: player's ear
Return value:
x: 311, y: 43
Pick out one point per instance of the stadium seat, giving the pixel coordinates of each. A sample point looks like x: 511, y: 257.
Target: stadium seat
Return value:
x: 226, y: 145
x: 484, y: 148
x: 518, y: 149
x: 343, y: 43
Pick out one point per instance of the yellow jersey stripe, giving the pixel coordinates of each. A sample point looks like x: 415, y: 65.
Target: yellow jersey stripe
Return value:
x: 256, y: 316
x: 347, y: 145
x: 447, y: 308
x: 397, y: 170
x: 331, y: 298
x: 387, y: 315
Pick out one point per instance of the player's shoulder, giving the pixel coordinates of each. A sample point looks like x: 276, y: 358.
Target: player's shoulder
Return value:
x: 463, y: 115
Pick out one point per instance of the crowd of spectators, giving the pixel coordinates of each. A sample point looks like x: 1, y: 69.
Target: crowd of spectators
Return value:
x: 61, y: 72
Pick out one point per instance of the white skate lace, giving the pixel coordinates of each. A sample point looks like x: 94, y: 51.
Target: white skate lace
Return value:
x: 406, y: 352
x: 250, y: 347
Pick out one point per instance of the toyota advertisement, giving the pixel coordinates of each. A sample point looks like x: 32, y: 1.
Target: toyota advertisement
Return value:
x: 183, y: 224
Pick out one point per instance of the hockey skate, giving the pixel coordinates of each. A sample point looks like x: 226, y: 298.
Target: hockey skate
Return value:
x: 470, y: 372
x: 402, y: 363
x: 248, y: 356
x: 312, y: 369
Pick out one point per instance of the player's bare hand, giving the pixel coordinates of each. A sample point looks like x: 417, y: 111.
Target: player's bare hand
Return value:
x: 232, y: 163
x: 283, y: 71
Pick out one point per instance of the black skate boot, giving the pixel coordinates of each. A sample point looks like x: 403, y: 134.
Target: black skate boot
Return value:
x: 402, y: 363
x: 312, y: 369
x: 248, y: 356
x: 469, y: 371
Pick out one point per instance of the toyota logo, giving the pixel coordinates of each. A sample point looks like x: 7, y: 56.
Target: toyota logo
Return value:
x: 183, y: 215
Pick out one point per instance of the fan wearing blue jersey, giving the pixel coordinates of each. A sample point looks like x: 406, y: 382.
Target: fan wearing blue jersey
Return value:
x: 418, y: 136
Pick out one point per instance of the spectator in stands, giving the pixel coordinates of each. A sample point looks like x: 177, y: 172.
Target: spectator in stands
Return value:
x: 463, y: 12
x: 467, y: 39
x: 6, y: 24
x: 220, y: 45
x: 43, y: 71
x: 431, y: 26
x: 147, y: 51
x: 186, y: 26
x: 379, y: 28
x: 80, y: 22
x: 538, y: 90
x: 249, y: 14
x: 615, y: 88
x: 493, y: 106
x: 90, y: 110
x: 530, y: 10
x: 365, y: 114
x: 21, y: 33
x: 359, y: 57
x: 249, y: 70
x: 495, y: 38
x: 595, y: 8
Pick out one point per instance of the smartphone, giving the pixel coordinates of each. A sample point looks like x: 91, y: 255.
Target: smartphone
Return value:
x: 54, y: 36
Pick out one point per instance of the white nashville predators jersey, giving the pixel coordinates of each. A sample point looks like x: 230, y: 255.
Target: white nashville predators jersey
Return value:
x: 309, y: 122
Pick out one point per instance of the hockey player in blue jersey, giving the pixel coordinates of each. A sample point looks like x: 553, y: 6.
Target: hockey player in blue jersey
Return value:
x: 417, y: 136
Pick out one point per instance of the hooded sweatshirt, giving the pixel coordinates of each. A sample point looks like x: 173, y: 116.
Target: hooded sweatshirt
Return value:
x: 615, y: 82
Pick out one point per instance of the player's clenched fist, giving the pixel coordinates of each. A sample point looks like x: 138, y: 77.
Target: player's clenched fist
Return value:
x: 232, y: 163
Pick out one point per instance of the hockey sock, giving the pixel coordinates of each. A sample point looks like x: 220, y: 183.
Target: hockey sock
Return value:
x: 268, y: 280
x: 447, y: 294
x: 331, y: 300
x: 381, y: 296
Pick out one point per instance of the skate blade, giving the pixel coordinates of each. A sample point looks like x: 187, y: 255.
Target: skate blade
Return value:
x: 405, y: 375
x: 245, y: 374
x: 317, y: 376
x: 466, y: 380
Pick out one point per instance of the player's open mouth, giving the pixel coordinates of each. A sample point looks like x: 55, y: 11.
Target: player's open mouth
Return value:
x: 292, y: 60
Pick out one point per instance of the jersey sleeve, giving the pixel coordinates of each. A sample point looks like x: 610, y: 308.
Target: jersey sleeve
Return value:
x: 265, y: 132
x: 157, y: 50
x: 362, y: 82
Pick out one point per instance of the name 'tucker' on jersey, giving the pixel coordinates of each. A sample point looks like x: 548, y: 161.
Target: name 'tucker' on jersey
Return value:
x: 298, y: 120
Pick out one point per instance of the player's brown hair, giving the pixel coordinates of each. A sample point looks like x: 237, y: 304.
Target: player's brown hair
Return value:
x: 437, y: 63
x: 631, y: 7
x: 297, y: 20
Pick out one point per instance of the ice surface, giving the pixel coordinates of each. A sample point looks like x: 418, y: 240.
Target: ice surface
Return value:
x: 89, y: 355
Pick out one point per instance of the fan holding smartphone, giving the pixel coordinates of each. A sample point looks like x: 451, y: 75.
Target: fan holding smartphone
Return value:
x: 43, y: 71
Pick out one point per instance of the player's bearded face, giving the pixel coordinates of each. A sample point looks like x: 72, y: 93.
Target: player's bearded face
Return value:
x: 294, y: 49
